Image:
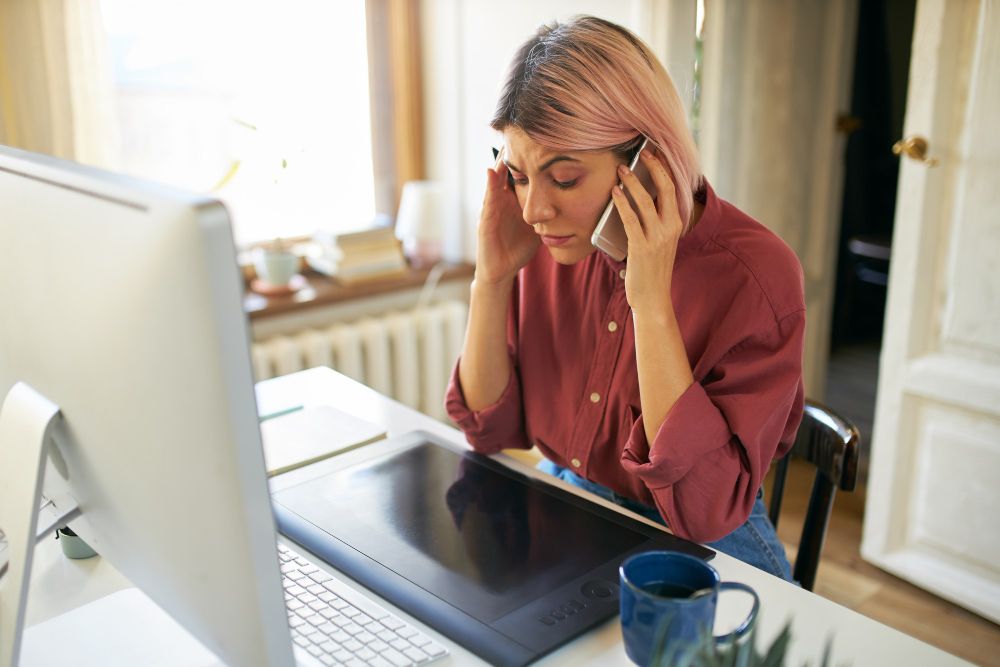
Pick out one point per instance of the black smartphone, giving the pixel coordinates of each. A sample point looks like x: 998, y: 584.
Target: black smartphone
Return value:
x: 609, y: 234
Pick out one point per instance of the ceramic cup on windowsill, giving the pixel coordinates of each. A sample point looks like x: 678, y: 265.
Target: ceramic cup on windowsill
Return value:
x: 277, y: 271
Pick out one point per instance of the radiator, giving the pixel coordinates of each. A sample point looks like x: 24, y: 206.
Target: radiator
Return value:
x: 406, y: 355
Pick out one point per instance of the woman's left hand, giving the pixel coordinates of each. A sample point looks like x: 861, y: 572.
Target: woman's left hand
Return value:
x: 653, y: 231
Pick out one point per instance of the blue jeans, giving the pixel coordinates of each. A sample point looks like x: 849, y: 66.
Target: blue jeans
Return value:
x: 755, y: 542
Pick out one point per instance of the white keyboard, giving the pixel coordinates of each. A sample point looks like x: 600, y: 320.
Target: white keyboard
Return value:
x: 338, y: 626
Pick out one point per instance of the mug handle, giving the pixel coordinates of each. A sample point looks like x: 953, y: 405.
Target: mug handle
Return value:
x: 751, y: 618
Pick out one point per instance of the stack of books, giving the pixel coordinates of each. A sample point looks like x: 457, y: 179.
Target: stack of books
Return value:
x: 356, y: 257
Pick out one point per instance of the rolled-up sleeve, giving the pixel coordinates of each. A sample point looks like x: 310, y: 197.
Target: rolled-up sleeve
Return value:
x: 711, y: 453
x: 495, y: 427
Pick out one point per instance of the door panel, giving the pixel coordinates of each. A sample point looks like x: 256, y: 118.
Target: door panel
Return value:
x: 933, y: 505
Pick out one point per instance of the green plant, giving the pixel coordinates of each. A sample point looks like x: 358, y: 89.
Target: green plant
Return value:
x: 709, y: 653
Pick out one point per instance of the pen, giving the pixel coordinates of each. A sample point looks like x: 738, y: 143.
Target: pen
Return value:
x: 279, y: 413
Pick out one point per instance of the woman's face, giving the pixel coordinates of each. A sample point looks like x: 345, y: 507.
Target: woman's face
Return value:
x: 562, y: 193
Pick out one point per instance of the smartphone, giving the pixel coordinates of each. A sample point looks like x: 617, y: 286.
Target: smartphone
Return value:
x: 609, y: 235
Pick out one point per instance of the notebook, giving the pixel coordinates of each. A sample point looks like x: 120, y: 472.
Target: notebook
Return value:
x: 313, y: 434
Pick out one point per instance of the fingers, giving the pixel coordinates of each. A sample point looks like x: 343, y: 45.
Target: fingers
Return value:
x: 643, y: 201
x: 633, y: 228
x: 666, y: 195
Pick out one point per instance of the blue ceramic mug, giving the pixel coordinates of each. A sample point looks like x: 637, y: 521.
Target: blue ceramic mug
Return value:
x: 668, y: 602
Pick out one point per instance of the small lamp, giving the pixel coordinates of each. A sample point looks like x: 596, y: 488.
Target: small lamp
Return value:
x: 419, y: 223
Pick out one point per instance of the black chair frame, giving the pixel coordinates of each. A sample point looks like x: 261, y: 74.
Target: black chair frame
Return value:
x: 832, y: 444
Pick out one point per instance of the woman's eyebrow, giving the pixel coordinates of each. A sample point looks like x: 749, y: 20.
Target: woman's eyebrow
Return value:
x: 549, y: 163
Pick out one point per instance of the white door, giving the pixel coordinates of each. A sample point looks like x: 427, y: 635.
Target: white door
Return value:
x: 776, y: 76
x: 933, y: 505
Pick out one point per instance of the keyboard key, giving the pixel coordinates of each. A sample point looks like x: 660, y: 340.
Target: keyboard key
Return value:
x: 435, y: 650
x: 355, y: 631
x: 416, y: 655
x: 391, y: 622
x: 396, y: 658
x: 320, y: 577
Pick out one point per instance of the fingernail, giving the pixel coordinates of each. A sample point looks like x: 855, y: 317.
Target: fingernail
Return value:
x: 622, y: 169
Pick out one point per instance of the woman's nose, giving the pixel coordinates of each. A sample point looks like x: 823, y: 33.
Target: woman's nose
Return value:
x: 537, y: 208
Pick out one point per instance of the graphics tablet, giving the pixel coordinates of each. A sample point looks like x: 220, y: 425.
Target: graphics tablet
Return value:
x: 506, y: 565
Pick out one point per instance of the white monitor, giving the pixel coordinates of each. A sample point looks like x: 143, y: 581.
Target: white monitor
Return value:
x: 120, y: 302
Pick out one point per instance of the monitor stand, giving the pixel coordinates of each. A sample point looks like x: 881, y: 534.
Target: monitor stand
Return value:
x: 26, y: 430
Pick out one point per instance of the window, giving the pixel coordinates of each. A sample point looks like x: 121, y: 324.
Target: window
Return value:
x: 264, y: 105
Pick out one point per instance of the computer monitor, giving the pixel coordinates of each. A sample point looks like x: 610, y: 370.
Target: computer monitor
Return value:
x: 120, y: 302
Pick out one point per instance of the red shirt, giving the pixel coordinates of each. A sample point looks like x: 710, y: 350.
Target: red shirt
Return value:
x: 574, y: 392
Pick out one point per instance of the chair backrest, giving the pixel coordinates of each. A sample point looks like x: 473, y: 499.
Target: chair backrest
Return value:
x: 831, y: 443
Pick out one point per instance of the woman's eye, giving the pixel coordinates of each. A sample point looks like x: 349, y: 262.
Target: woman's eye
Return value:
x: 565, y: 185
x: 520, y: 181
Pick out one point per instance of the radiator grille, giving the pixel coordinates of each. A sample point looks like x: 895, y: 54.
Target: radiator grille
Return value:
x: 406, y: 355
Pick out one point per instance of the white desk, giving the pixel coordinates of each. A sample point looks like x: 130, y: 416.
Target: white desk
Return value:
x: 59, y: 585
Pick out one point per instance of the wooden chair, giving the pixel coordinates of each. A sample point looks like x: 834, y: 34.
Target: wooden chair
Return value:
x: 831, y: 443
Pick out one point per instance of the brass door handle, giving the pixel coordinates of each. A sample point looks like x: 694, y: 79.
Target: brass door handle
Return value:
x: 914, y: 148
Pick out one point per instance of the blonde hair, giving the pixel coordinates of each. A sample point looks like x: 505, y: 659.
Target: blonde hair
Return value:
x: 589, y: 84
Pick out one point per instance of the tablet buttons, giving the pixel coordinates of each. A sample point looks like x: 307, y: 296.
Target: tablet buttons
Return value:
x: 596, y: 589
x: 564, y: 611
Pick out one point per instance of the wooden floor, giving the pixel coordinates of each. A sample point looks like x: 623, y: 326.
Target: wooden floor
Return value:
x: 847, y: 580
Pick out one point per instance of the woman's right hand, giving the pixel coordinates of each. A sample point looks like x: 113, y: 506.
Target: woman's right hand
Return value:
x: 506, y: 241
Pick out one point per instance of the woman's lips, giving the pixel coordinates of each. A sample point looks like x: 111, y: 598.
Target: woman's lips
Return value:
x: 556, y: 240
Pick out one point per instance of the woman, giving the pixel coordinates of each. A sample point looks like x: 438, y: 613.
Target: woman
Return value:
x: 668, y: 382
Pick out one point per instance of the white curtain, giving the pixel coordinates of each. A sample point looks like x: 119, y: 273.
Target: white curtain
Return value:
x: 776, y: 73
x: 56, y: 94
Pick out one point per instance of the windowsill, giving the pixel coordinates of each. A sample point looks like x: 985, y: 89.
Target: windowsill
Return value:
x: 321, y: 290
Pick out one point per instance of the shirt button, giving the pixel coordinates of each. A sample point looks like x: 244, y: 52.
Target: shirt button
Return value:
x: 595, y: 397
x: 576, y: 463
x: 612, y: 326
x: 621, y: 274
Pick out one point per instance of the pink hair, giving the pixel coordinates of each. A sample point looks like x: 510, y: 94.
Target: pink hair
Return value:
x: 589, y: 84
